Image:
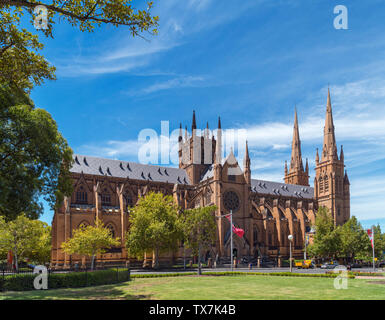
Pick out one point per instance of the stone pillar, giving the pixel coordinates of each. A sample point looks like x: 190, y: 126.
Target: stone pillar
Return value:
x: 123, y: 221
x: 279, y: 261
x: 259, y: 262
x: 67, y: 229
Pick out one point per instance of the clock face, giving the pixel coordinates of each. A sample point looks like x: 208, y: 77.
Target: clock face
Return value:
x: 231, y: 201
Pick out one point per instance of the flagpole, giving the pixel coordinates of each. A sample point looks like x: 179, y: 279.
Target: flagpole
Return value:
x: 231, y: 239
x: 374, y: 264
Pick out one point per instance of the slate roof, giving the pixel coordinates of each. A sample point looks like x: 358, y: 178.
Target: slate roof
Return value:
x: 208, y: 174
x: 282, y: 189
x: 124, y: 169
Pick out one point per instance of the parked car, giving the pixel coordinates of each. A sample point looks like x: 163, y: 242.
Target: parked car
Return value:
x: 355, y: 265
x: 329, y: 265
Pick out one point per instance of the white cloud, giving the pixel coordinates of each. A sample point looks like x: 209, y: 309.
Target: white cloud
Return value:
x: 179, y: 82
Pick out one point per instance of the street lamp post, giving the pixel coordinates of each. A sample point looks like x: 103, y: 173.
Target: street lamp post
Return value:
x: 231, y: 239
x: 290, y: 237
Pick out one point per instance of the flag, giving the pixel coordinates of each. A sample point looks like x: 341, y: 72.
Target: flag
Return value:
x: 370, y: 234
x: 238, y: 231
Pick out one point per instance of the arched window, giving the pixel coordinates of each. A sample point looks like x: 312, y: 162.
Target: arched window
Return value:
x: 110, y: 227
x: 326, y: 182
x: 128, y: 199
x: 255, y: 234
x: 106, y: 198
x: 321, y: 185
x: 81, y: 195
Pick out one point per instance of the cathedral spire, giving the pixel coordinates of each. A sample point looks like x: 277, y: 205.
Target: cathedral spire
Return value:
x: 296, y: 156
x: 219, y: 123
x: 329, y: 149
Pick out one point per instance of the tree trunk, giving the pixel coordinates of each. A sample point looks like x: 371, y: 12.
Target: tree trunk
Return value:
x: 155, y: 259
x: 93, y: 262
x: 199, y: 260
x: 16, y: 263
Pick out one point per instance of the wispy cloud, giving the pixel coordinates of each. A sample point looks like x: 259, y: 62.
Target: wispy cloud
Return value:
x: 179, y: 82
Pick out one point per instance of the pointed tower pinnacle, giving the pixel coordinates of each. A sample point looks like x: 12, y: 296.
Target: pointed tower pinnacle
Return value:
x: 317, y: 158
x: 246, y: 165
x: 342, y: 157
x: 296, y: 156
x: 246, y: 161
x: 329, y: 150
x: 180, y: 138
x: 185, y: 134
x: 194, y: 122
x: 218, y: 147
x: 307, y: 167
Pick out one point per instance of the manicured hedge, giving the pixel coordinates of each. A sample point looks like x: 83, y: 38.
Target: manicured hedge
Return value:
x: 24, y: 282
x: 237, y: 273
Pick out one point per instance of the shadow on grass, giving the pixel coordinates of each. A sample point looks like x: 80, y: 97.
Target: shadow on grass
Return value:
x: 106, y: 292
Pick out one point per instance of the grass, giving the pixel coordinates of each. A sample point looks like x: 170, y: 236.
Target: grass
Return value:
x: 218, y: 288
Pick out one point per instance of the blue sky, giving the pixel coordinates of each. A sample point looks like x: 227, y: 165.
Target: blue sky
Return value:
x: 248, y: 61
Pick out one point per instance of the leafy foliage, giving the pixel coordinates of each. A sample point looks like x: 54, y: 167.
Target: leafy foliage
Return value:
x: 26, y: 238
x: 34, y: 157
x: 347, y: 241
x: 24, y: 282
x: 199, y: 228
x: 90, y: 240
x: 22, y: 67
x: 153, y: 226
x: 327, y: 241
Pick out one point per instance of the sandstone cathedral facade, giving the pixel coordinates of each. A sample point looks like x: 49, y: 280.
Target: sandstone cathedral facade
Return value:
x: 267, y: 211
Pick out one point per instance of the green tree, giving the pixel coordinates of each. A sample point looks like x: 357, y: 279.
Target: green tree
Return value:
x: 353, y: 238
x: 22, y: 236
x: 90, y: 241
x: 34, y: 157
x: 41, y: 252
x: 199, y: 230
x: 153, y: 226
x: 327, y: 240
x: 21, y: 66
x: 366, y: 253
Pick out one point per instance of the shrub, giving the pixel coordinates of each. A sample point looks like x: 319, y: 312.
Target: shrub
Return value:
x: 24, y: 282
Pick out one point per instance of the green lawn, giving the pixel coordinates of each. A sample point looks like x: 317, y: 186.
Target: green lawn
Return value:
x: 214, y: 287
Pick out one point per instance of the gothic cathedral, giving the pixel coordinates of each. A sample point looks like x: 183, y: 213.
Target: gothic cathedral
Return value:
x: 267, y: 211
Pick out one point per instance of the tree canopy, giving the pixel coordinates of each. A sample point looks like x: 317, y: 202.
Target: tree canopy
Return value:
x: 153, y: 226
x: 90, y: 241
x: 327, y: 242
x: 34, y: 157
x: 349, y: 240
x: 26, y: 238
x: 22, y: 67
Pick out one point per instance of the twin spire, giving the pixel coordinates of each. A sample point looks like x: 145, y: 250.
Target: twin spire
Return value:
x: 296, y: 173
x: 329, y: 148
